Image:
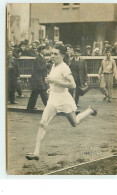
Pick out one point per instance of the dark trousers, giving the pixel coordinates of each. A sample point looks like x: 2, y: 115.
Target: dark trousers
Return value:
x: 11, y: 95
x: 19, y: 89
x: 34, y: 95
x: 71, y: 91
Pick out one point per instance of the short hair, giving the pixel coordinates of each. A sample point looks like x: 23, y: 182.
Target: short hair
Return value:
x: 62, y: 49
x: 77, y: 50
x: 108, y: 51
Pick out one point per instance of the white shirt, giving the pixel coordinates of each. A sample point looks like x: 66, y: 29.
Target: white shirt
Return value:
x: 59, y: 72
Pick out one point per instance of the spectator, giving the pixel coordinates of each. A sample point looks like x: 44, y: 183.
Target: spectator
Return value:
x: 38, y: 79
x: 96, y: 52
x: 79, y: 72
x: 67, y: 55
x: 114, y: 49
x: 106, y: 43
x: 16, y: 51
x: 106, y: 71
x: 19, y: 88
x: 32, y: 51
x: 12, y: 74
x: 22, y: 50
x: 87, y: 51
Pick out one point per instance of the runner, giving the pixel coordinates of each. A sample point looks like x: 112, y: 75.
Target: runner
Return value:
x: 60, y: 100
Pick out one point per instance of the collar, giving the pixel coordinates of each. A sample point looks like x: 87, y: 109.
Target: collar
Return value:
x: 109, y: 59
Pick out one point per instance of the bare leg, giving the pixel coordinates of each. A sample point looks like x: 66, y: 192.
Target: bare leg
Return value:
x: 48, y: 114
x: 75, y: 120
x: 83, y: 115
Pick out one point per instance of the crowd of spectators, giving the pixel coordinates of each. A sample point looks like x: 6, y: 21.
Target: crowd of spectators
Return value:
x: 24, y: 48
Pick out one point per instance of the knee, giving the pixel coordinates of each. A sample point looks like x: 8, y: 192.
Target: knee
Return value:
x: 102, y: 89
x: 43, y: 125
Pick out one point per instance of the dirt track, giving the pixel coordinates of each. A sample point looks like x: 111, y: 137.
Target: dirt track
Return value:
x: 64, y: 145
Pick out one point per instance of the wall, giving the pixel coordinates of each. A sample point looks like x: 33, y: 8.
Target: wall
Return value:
x: 54, y: 13
x: 20, y: 10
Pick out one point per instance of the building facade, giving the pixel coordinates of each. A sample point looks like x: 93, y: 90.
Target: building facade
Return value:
x: 78, y: 23
x: 72, y: 23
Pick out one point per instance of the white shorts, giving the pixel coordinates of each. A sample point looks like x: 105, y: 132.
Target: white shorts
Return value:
x: 63, y: 102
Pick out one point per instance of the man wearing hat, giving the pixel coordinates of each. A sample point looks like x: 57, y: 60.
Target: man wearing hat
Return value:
x: 38, y: 79
x: 87, y: 51
x: 79, y: 70
x: 12, y: 75
x: 22, y: 49
x: 106, y: 47
x: 32, y: 51
x: 114, y: 49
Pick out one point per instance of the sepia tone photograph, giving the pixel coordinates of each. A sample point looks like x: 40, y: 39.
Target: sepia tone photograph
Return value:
x: 61, y: 88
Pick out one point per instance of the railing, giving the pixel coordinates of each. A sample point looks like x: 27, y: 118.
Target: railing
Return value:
x: 26, y: 64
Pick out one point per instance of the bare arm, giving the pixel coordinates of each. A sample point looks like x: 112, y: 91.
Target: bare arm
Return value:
x: 100, y: 70
x: 69, y: 83
x: 114, y: 69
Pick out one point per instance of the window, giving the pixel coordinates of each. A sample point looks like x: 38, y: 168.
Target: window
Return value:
x: 41, y: 34
x: 56, y: 33
x: 66, y: 5
x: 76, y: 5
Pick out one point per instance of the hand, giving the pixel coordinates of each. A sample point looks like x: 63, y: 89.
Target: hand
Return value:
x: 48, y: 79
x: 10, y: 67
x: 48, y: 90
x: 116, y: 77
x: 99, y: 77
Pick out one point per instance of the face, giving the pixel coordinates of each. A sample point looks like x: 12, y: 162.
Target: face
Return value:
x: 30, y: 46
x: 77, y: 54
x: 23, y: 47
x: 43, y: 52
x: 108, y: 54
x: 106, y: 45
x: 72, y: 52
x: 68, y: 50
x: 34, y: 45
x: 97, y: 52
x: 11, y: 44
x: 88, y: 50
x: 57, y: 57
x: 10, y: 53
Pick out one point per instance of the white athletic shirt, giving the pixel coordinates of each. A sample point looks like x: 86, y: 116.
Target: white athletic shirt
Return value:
x: 59, y: 72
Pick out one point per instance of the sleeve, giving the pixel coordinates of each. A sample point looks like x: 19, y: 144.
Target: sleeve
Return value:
x: 85, y: 71
x: 66, y: 71
x: 37, y: 65
x: 114, y: 68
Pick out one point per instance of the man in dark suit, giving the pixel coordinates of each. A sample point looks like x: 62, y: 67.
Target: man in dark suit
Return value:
x: 79, y: 70
x: 38, y: 80
x: 12, y: 75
